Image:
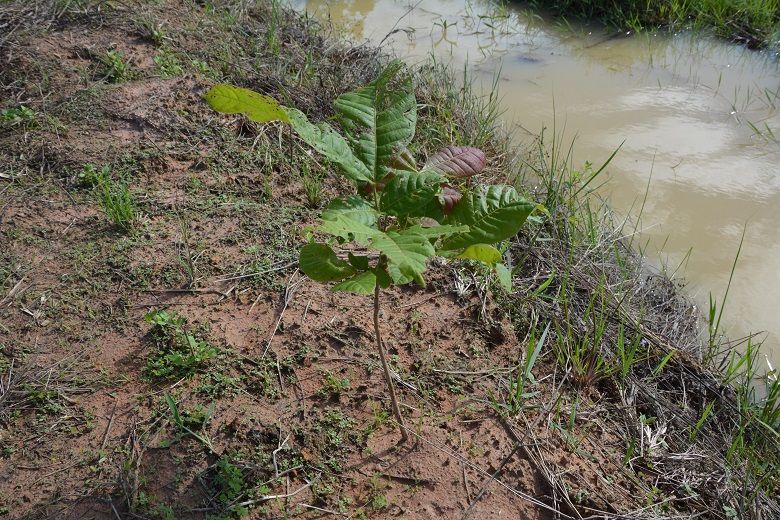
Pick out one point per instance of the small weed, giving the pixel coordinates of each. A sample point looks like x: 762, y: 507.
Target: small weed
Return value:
x: 152, y: 31
x: 90, y: 176
x: 332, y: 385
x: 312, y: 187
x: 168, y: 64
x: 187, y: 256
x: 118, y: 204
x: 190, y: 422
x: 228, y: 486
x: 517, y: 386
x: 10, y: 117
x: 626, y: 352
x: 334, y: 426
x: 376, y: 497
x: 114, y: 67
x: 202, y: 67
x: 178, y: 352
x: 272, y: 30
x: 152, y: 509
x: 378, y: 418
x: 215, y: 385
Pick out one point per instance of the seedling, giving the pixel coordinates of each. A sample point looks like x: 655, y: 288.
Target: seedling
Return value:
x: 179, y: 352
x: 90, y: 176
x: 187, y: 423
x: 168, y: 64
x: 115, y: 68
x: 16, y: 116
x: 401, y: 214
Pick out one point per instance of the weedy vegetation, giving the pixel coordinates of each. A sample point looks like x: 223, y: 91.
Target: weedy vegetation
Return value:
x: 755, y: 23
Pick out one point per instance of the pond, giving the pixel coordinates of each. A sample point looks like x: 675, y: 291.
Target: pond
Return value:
x: 697, y: 118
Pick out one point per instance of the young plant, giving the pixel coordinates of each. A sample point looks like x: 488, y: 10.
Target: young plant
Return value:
x: 400, y: 214
x: 115, y: 68
x: 16, y: 116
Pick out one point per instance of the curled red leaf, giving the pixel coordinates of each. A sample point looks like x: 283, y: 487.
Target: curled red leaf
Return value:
x: 458, y: 161
x: 448, y: 197
x: 403, y: 160
x: 369, y: 187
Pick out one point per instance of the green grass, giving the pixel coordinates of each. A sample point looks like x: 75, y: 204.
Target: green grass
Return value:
x: 755, y: 23
x: 118, y: 203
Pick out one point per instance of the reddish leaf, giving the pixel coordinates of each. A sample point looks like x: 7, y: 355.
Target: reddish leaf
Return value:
x: 459, y: 161
x: 403, y: 161
x: 368, y: 187
x: 449, y: 197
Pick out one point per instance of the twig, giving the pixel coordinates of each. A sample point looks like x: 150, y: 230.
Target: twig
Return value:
x: 258, y: 273
x: 108, y: 426
x: 275, y: 497
x: 335, y: 513
x: 288, y: 294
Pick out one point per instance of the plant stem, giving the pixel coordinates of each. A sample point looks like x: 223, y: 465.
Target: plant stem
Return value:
x: 393, y: 399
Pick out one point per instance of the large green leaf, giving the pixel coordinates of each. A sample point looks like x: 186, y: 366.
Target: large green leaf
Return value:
x: 362, y: 283
x: 410, y: 193
x: 379, y: 119
x: 319, y: 262
x: 407, y: 254
x: 323, y: 138
x: 340, y: 225
x: 492, y: 213
x: 483, y: 253
x: 355, y: 207
x: 230, y: 99
x: 435, y: 231
x: 504, y: 276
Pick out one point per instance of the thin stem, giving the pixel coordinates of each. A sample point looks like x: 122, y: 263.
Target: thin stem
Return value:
x: 393, y: 399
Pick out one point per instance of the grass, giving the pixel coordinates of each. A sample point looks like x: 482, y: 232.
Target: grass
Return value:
x: 755, y: 23
x: 118, y: 203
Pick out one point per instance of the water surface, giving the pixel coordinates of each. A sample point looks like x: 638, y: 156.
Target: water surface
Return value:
x: 696, y: 118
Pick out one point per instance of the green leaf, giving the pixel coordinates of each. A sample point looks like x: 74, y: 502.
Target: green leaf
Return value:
x: 382, y: 278
x: 358, y: 262
x: 379, y: 119
x: 323, y: 138
x: 362, y: 283
x: 493, y: 213
x: 355, y: 207
x: 482, y: 253
x: 229, y: 99
x: 320, y: 263
x: 435, y: 231
x: 340, y: 225
x: 407, y: 255
x: 409, y: 193
x: 504, y: 276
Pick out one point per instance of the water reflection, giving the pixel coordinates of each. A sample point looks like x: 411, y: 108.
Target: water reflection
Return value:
x: 699, y: 114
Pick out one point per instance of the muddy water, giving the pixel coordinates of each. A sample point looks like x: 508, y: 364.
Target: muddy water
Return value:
x: 696, y: 118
